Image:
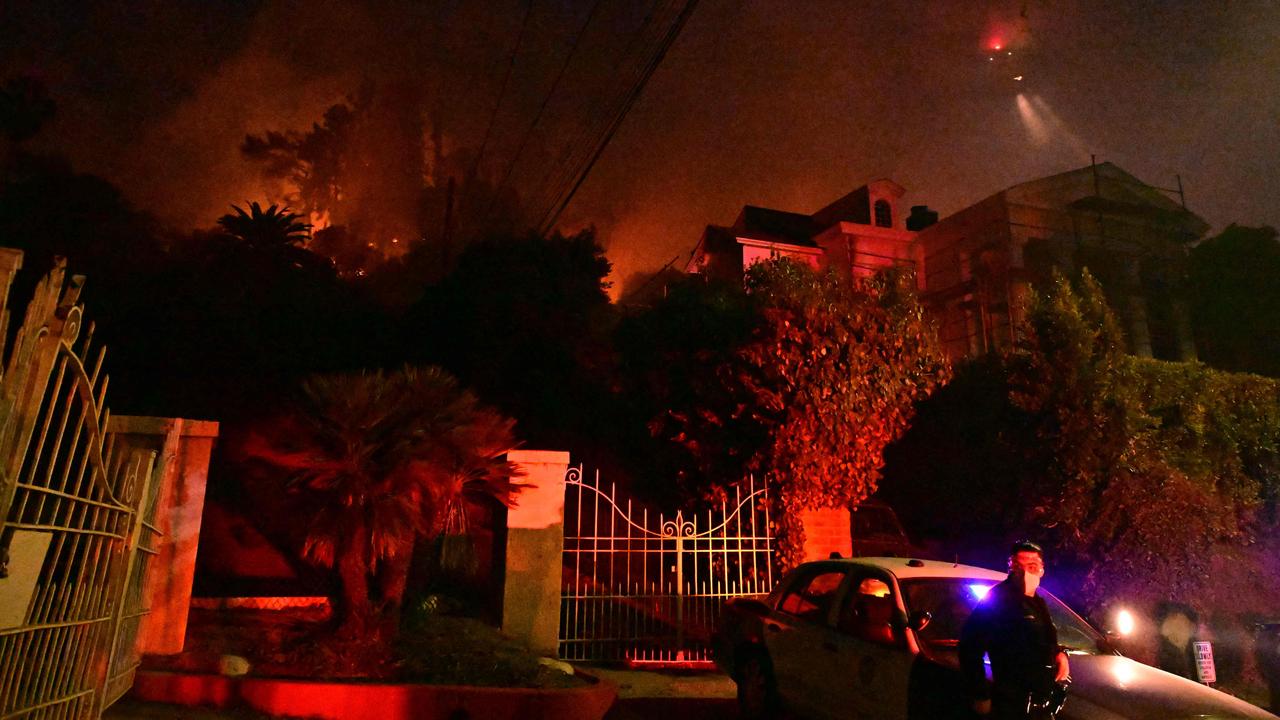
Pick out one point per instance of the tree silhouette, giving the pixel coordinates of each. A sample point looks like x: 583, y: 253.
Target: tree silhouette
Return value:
x: 523, y: 321
x: 1236, y: 300
x: 406, y: 208
x: 271, y: 229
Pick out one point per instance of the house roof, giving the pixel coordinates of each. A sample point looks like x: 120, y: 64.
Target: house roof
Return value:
x: 1107, y: 188
x: 775, y: 225
x: 717, y: 237
x: 854, y: 207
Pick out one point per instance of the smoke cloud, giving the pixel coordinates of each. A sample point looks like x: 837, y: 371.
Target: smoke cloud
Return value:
x: 757, y: 102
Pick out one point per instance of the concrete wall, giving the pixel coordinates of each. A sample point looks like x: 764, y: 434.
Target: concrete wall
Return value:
x: 182, y: 451
x: 826, y: 531
x: 535, y: 544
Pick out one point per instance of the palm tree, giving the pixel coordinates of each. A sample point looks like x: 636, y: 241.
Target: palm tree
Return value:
x: 378, y: 461
x: 271, y: 229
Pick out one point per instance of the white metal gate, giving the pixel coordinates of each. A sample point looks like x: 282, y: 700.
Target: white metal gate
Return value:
x: 649, y: 588
x: 76, y: 518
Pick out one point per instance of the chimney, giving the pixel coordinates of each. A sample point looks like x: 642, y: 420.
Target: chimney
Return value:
x: 921, y: 217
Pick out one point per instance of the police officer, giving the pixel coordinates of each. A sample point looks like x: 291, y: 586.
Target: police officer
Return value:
x: 1012, y: 627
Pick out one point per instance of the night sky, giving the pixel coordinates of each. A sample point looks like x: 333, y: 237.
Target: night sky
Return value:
x: 783, y: 104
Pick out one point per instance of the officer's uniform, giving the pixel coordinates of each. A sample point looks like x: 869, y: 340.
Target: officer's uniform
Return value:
x: 1017, y: 634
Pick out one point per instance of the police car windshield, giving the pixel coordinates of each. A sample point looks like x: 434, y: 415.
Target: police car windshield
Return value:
x: 950, y: 600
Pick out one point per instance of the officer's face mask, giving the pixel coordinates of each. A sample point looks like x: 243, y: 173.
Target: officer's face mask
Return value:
x: 1027, y: 569
x: 1030, y: 581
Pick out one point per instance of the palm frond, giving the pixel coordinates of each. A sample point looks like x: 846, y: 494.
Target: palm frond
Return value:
x: 390, y: 454
x: 272, y: 228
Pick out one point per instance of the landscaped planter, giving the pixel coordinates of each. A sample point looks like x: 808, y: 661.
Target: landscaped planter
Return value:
x: 376, y: 701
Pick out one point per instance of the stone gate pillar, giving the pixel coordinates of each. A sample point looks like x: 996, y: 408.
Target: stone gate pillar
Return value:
x: 183, y: 448
x: 535, y: 545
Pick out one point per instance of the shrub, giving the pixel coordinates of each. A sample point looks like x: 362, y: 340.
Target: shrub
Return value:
x: 818, y: 373
x: 1132, y: 472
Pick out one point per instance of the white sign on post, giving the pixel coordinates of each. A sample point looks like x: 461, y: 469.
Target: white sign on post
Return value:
x: 1204, y: 663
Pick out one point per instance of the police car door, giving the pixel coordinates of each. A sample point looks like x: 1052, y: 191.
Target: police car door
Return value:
x: 867, y: 637
x: 795, y: 631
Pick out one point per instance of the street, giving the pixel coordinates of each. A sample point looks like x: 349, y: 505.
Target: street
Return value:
x: 663, y: 708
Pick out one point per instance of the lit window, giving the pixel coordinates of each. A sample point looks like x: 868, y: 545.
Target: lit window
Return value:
x: 884, y: 214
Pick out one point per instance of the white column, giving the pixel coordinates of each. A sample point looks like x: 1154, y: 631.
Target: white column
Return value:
x: 535, y: 546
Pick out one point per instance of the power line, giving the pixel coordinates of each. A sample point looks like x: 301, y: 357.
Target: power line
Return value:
x: 627, y: 64
x: 596, y: 148
x: 502, y: 92
x: 672, y: 34
x: 573, y: 50
x: 580, y: 147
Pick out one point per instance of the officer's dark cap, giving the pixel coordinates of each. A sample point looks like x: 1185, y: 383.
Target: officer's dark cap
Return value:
x: 1026, y: 546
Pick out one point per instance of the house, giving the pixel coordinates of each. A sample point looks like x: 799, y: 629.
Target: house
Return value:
x: 981, y: 263
x: 977, y: 268
x: 862, y: 231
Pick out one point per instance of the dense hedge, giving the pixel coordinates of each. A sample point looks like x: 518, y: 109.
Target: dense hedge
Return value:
x: 1221, y: 429
x: 1135, y: 473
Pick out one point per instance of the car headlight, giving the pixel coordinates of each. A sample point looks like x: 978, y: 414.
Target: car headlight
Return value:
x: 1125, y: 623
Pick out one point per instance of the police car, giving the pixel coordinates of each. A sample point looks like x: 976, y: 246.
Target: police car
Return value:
x: 865, y: 638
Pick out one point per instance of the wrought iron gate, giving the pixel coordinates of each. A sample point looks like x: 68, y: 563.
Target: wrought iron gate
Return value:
x: 649, y: 588
x: 75, y: 544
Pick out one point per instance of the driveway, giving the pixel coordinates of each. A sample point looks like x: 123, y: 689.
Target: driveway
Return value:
x: 642, y: 695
